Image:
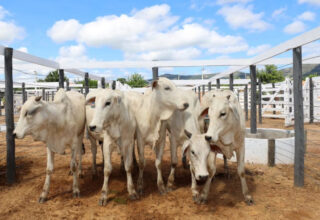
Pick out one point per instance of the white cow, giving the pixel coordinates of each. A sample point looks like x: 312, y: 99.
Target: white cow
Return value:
x: 202, y: 158
x: 59, y: 124
x: 180, y: 120
x: 227, y: 130
x: 157, y: 105
x: 115, y: 118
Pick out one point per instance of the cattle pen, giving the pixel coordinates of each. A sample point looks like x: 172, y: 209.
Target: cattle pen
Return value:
x: 305, y: 162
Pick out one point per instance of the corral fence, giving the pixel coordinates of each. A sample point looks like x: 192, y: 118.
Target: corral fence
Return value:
x: 294, y: 45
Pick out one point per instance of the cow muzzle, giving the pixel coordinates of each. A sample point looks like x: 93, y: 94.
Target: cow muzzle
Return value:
x: 201, y: 179
x: 92, y: 128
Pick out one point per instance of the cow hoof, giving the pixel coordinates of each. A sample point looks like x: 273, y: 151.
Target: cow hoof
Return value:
x: 249, y: 200
x: 81, y: 176
x: 170, y: 188
x: 140, y: 190
x: 103, y: 202
x: 162, y: 189
x: 195, y: 198
x: 70, y: 173
x: 42, y: 200
x: 133, y: 196
x: 76, y: 194
x: 201, y: 200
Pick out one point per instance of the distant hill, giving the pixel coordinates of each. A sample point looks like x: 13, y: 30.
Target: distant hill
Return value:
x: 307, y: 69
x: 239, y: 75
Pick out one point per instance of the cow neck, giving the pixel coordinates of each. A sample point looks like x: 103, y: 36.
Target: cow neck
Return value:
x: 56, y: 113
x: 149, y: 118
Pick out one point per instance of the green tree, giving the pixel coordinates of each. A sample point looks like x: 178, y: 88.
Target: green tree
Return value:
x: 270, y: 74
x: 53, y: 76
x: 136, y: 80
x: 122, y: 80
x: 92, y: 83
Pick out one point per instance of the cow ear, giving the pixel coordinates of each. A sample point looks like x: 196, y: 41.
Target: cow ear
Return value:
x: 235, y: 111
x: 37, y: 98
x: 187, y: 133
x: 91, y: 100
x: 185, y: 147
x: 117, y: 99
x: 215, y: 148
x: 154, y: 84
x: 19, y: 108
x: 204, y: 112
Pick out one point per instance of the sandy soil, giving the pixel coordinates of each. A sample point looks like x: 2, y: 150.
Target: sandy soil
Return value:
x: 272, y: 189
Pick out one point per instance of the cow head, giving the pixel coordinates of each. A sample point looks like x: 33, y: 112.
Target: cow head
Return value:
x: 107, y: 104
x: 198, y: 149
x: 32, y: 118
x: 223, y: 116
x: 168, y: 97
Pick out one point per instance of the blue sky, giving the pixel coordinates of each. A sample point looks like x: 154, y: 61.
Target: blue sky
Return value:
x: 87, y: 31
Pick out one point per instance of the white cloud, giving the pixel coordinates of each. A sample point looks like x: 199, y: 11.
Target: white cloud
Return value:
x: 258, y: 49
x: 9, y: 30
x: 312, y: 2
x: 63, y: 30
x: 239, y: 16
x: 295, y: 27
x: 72, y: 51
x: 279, y: 12
x: 222, y: 2
x: 23, y: 49
x: 170, y: 54
x: 307, y: 16
x: 3, y: 12
x: 151, y: 33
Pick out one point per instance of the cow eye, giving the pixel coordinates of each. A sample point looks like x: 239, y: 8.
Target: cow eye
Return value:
x: 167, y: 88
x: 192, y: 152
x: 108, y: 103
x: 222, y: 114
x: 25, y: 115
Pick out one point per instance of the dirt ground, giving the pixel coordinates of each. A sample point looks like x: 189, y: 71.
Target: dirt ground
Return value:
x: 272, y: 188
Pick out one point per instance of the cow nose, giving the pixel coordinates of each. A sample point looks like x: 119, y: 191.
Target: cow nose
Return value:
x: 203, y: 178
x: 14, y: 135
x: 185, y: 105
x: 208, y: 138
x: 92, y: 128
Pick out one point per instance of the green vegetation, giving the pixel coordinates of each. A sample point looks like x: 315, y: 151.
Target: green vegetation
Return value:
x: 122, y: 80
x: 270, y: 74
x: 53, y: 76
x: 136, y: 80
x: 92, y: 83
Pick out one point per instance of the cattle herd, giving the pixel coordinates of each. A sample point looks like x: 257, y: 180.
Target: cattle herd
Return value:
x: 120, y: 121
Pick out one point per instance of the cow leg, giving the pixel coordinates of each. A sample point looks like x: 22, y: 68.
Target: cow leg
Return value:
x: 141, y: 164
x: 135, y: 163
x: 94, y: 157
x: 50, y: 164
x: 226, y: 167
x: 101, y: 145
x: 128, y: 149
x: 75, y: 171
x: 194, y: 187
x: 174, y: 162
x: 206, y: 188
x: 159, y: 152
x: 80, y: 164
x: 241, y: 173
x: 107, y: 150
